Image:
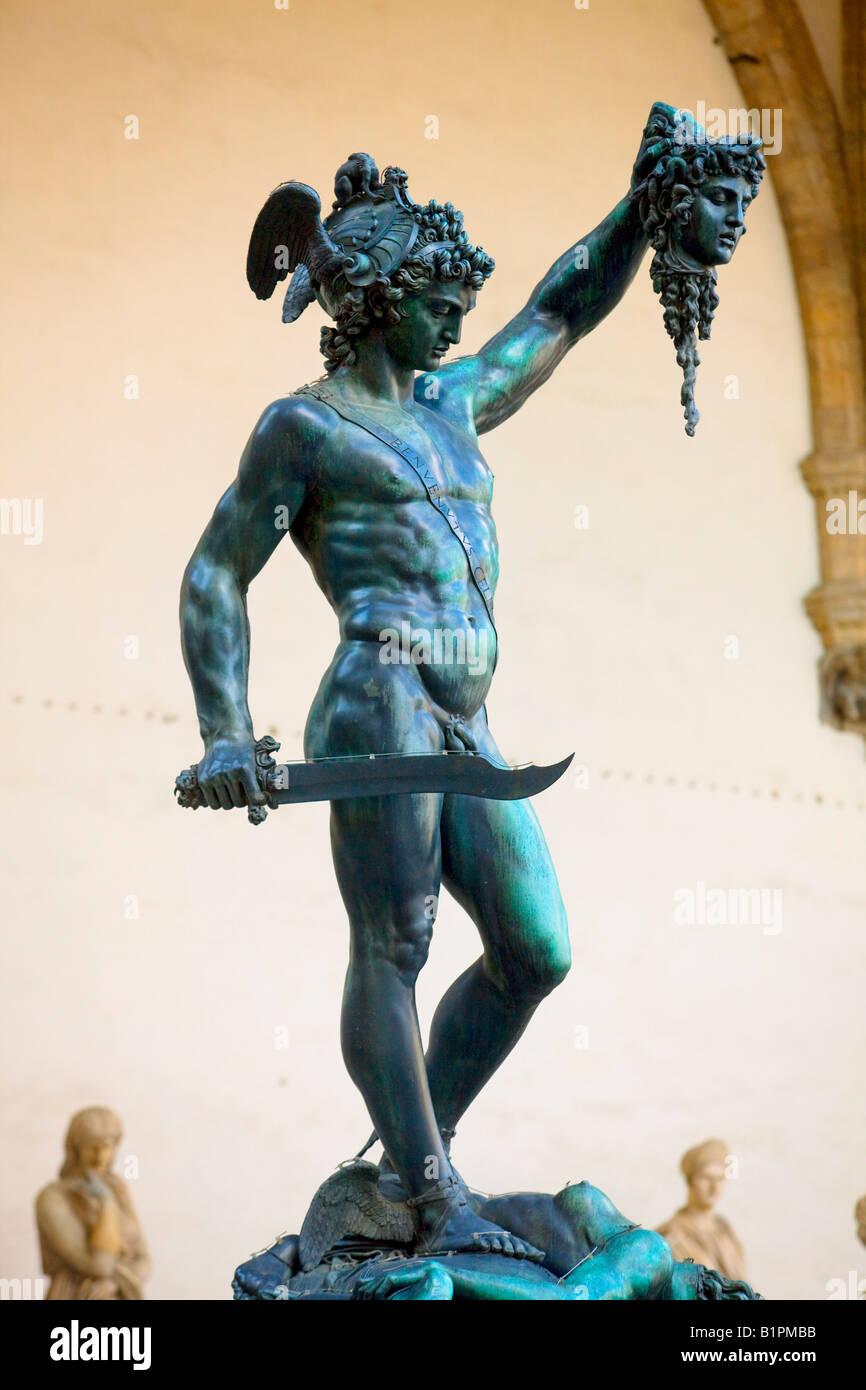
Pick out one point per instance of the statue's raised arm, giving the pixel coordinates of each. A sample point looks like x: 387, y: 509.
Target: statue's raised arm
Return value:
x: 578, y: 291
x: 687, y: 198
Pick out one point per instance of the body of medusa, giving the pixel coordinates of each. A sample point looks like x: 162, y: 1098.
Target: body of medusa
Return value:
x: 454, y: 260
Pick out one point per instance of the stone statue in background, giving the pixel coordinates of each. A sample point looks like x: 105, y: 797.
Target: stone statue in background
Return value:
x: 91, y: 1242
x: 696, y: 1231
x: 860, y: 1218
x: 693, y: 206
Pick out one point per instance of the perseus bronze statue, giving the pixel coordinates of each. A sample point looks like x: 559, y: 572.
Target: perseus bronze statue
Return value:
x: 375, y: 471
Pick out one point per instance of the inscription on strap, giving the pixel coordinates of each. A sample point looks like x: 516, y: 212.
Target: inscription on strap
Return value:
x: 431, y: 487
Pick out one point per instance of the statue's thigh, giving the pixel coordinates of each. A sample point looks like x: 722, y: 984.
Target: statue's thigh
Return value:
x: 496, y: 863
x: 386, y: 849
x: 364, y: 707
x: 388, y: 863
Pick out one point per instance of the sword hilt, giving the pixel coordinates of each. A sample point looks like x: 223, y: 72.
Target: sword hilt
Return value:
x: 189, y: 793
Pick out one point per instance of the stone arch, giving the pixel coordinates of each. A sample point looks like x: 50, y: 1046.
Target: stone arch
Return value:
x: 819, y: 175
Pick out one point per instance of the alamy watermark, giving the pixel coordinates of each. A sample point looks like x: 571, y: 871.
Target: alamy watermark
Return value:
x: 703, y: 906
x: 846, y: 516
x: 438, y: 646
x: 854, y: 1287
x: 22, y: 516
x: 717, y: 122
x: 77, y: 1343
x: 22, y: 1290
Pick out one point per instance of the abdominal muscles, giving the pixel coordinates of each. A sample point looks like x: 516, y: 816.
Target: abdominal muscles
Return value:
x: 400, y: 586
x: 451, y: 655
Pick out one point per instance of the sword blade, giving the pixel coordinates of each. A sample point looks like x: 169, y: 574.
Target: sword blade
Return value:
x: 401, y: 774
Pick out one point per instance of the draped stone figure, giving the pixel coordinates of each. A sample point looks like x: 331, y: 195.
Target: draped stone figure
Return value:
x: 91, y: 1242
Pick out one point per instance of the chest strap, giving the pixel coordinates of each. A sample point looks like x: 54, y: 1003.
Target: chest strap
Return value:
x: 431, y: 487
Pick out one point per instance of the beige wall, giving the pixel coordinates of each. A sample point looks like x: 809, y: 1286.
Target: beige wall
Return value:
x: 129, y: 258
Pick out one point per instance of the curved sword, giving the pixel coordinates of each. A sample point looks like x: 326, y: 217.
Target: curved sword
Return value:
x: 379, y: 774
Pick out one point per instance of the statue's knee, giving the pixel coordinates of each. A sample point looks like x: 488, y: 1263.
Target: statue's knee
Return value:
x: 559, y: 962
x: 556, y: 951
x: 548, y: 969
x: 530, y: 972
x: 652, y: 1264
x: 410, y: 945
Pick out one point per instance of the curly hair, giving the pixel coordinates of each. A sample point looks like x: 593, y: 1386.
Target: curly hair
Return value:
x: 384, y: 298
x: 713, y: 1287
x: 666, y: 198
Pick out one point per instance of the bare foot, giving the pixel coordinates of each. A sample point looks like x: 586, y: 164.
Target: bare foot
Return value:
x: 449, y: 1225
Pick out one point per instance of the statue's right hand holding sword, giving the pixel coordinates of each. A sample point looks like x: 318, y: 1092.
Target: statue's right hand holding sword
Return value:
x: 227, y: 774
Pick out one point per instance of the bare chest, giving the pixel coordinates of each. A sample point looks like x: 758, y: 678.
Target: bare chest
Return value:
x: 400, y: 458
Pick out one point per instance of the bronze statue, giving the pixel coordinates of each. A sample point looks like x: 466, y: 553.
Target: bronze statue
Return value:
x: 91, y: 1242
x: 376, y: 472
x: 354, y: 1244
x: 697, y: 1231
x: 693, y: 207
